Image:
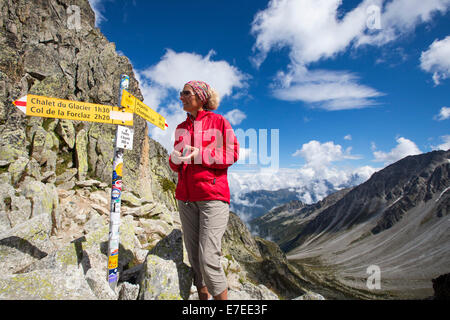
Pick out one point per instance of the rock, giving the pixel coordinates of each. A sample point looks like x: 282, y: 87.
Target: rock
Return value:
x: 95, y: 222
x: 46, y: 285
x: 65, y: 193
x: 166, y: 217
x: 81, y: 154
x: 90, y: 250
x: 33, y: 169
x: 4, y: 163
x: 25, y: 244
x: 104, y: 155
x: 5, y: 178
x: 41, y: 145
x: 100, y: 197
x: 239, y: 242
x: 17, y: 169
x: 159, y: 280
x: 165, y: 275
x: 232, y: 271
x: 145, y: 211
x: 99, y: 285
x: 87, y: 183
x: 251, y: 292
x: 44, y: 198
x: 7, y: 193
x: 80, y: 218
x: 66, y: 131
x: 48, y: 177
x: 310, y: 296
x: 67, y: 185
x: 130, y: 199
x: 20, y: 210
x: 100, y: 209
x: 66, y: 175
x: 159, y: 227
x: 262, y: 260
x: 13, y: 145
x: 128, y: 291
x: 49, y: 157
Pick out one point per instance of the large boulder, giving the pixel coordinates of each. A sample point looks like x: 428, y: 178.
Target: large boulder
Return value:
x: 46, y: 284
x: 25, y: 244
x: 165, y: 275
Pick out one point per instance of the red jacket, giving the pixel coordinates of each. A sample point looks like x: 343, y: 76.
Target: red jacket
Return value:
x: 205, y: 178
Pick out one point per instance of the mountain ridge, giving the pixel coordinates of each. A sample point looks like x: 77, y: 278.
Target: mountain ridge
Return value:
x: 396, y: 221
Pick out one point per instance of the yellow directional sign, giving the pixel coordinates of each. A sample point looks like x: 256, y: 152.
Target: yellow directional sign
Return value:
x: 47, y: 107
x: 141, y: 109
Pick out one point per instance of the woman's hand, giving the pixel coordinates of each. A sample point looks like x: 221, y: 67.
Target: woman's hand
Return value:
x: 189, y: 153
x: 175, y: 157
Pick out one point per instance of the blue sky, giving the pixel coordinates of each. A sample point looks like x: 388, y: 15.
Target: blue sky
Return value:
x: 351, y: 86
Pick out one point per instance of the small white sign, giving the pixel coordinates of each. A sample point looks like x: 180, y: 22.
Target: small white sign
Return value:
x: 124, y: 137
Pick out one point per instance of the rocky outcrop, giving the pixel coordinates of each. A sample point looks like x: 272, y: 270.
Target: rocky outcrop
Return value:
x: 55, y: 175
x: 262, y: 261
x: 42, y: 54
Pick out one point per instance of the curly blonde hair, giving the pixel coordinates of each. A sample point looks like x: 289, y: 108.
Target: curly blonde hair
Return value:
x: 213, y: 100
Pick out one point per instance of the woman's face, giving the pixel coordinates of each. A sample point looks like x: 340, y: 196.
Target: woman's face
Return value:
x: 191, y: 103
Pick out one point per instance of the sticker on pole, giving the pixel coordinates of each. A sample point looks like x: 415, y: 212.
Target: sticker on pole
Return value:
x: 124, y: 137
x: 113, y: 261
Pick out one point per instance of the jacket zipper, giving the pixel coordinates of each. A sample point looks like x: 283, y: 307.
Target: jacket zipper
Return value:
x: 186, y: 186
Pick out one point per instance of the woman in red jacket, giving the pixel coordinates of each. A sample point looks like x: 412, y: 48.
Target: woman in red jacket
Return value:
x: 205, y: 146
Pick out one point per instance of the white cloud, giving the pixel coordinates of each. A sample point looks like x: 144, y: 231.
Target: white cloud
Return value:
x: 314, y: 30
x: 444, y: 114
x: 444, y: 146
x: 312, y: 181
x: 235, y: 116
x: 309, y: 27
x: 319, y: 155
x: 348, y: 137
x: 437, y: 60
x: 174, y: 115
x: 98, y: 6
x: 310, y: 185
x: 404, y: 148
x: 161, y: 83
x: 400, y: 17
x: 175, y: 69
x: 330, y: 90
x: 373, y: 146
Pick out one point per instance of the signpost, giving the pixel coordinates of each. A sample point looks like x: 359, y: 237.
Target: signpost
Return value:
x: 40, y: 106
x: 141, y: 109
x: 47, y: 107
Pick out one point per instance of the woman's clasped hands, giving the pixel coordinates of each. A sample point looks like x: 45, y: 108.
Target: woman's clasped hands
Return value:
x: 188, y: 155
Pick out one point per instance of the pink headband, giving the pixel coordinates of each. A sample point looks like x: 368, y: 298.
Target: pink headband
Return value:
x: 201, y: 88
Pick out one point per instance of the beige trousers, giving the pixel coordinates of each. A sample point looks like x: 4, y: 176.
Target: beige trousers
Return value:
x: 203, y: 224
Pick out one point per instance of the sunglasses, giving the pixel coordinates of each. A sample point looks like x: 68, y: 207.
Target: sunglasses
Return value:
x: 186, y: 93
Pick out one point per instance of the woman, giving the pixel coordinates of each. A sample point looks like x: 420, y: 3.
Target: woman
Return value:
x: 205, y: 146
